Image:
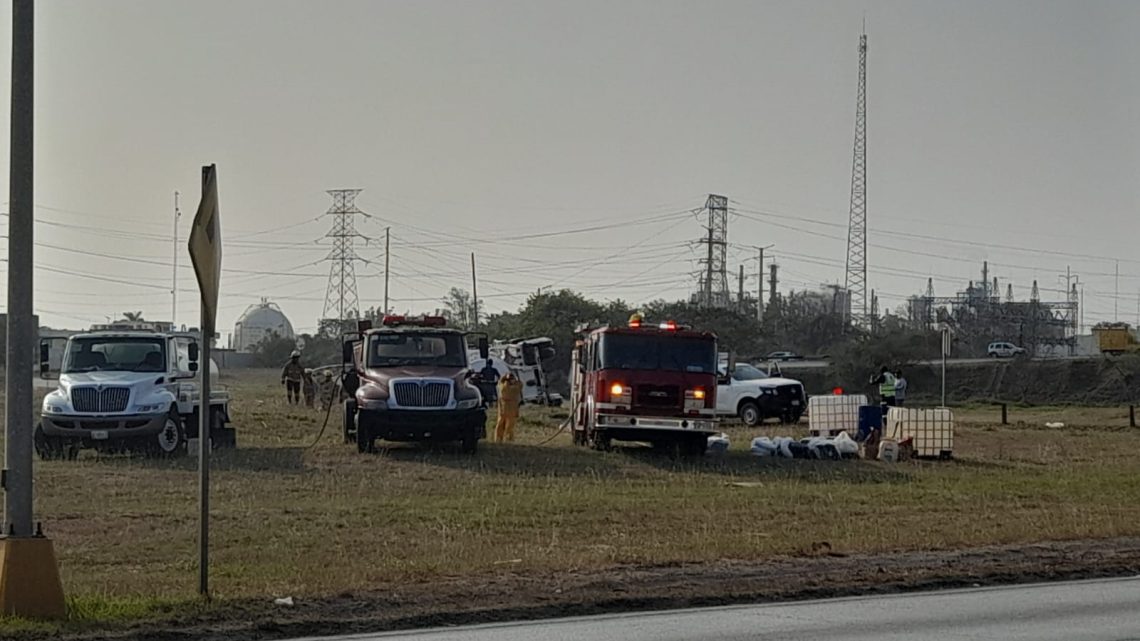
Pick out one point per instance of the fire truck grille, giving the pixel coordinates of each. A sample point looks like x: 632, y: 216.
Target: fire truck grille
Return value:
x: 416, y: 394
x: 109, y: 399
x: 658, y: 396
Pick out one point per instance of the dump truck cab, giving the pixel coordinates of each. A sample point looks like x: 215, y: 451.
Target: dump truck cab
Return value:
x: 410, y: 380
x: 120, y: 391
x: 649, y: 383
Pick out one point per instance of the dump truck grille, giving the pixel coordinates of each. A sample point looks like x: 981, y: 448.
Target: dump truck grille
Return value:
x: 109, y: 399
x: 422, y: 394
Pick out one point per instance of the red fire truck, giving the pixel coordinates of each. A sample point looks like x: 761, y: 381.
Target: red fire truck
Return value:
x: 653, y: 383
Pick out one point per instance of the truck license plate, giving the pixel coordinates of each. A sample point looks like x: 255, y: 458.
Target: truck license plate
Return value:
x: 795, y: 403
x: 99, y: 435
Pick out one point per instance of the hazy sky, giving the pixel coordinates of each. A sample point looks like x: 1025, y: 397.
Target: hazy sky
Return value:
x: 991, y: 125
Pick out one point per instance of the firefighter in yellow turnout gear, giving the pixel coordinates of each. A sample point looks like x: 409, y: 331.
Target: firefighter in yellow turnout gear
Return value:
x: 510, y: 397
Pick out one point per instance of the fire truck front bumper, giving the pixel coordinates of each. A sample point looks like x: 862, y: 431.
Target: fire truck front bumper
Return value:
x: 627, y: 421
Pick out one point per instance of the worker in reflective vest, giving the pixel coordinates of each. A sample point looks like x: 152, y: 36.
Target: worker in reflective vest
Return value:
x: 886, y: 382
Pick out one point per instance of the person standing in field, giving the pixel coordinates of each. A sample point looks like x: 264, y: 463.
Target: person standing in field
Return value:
x: 900, y: 388
x: 886, y: 382
x: 510, y: 398
x: 308, y: 387
x: 291, y: 377
x: 487, y: 382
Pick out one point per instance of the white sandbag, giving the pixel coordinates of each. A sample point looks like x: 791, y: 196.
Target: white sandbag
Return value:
x: 845, y: 444
x: 718, y: 444
x: 784, y: 446
x: 763, y: 446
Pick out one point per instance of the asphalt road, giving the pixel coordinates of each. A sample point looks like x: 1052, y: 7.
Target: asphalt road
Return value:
x: 815, y: 364
x: 1102, y: 610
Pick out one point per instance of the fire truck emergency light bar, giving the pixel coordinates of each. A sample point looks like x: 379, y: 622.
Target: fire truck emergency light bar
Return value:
x: 637, y: 323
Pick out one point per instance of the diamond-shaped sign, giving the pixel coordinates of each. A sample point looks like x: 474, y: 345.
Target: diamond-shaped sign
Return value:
x: 206, y: 245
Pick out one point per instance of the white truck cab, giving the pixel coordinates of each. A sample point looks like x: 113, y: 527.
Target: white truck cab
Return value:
x: 127, y: 391
x: 525, y: 358
x: 754, y: 394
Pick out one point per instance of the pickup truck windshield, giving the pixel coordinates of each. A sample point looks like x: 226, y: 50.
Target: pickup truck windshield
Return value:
x: 677, y: 354
x: 120, y: 354
x: 748, y: 373
x: 411, y: 349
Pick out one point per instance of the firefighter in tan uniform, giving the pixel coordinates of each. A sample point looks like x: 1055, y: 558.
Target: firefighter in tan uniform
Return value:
x: 292, y: 375
x: 308, y: 388
x: 510, y: 397
x: 329, y: 388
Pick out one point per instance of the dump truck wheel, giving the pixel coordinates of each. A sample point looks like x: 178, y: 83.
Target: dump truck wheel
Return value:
x: 365, y: 442
x: 49, y: 448
x: 171, y: 441
x: 348, y: 421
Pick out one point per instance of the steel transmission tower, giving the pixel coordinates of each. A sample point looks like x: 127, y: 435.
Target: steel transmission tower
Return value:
x: 856, y: 282
x: 341, y: 301
x: 714, y: 290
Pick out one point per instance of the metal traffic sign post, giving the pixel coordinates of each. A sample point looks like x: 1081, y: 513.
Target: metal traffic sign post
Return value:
x: 206, y: 254
x: 29, y: 575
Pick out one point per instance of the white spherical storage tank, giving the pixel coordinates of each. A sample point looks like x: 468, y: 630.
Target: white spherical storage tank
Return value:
x: 258, y: 323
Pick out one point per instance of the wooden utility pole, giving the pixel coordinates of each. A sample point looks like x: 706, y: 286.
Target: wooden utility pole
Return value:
x: 740, y: 290
x: 387, y: 263
x: 474, y: 293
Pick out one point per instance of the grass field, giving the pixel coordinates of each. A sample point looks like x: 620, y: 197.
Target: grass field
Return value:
x: 293, y: 518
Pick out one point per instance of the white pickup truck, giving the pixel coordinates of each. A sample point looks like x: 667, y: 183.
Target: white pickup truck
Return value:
x: 752, y: 394
x: 127, y: 391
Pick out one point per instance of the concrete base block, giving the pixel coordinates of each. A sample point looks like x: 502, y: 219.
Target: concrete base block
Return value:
x: 29, y: 579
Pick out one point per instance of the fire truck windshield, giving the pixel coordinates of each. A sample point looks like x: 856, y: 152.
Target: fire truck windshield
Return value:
x: 671, y: 353
x: 397, y: 349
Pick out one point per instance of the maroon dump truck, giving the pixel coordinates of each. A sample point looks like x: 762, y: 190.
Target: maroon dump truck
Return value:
x: 409, y: 380
x: 653, y: 383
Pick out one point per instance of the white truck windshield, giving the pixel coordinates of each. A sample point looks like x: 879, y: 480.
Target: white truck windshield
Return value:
x: 122, y: 354
x: 748, y: 373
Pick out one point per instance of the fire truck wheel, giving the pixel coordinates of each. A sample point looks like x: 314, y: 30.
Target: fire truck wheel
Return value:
x: 600, y: 441
x: 750, y: 414
x: 695, y: 445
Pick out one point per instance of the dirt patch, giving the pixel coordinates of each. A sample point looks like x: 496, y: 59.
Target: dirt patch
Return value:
x: 510, y: 596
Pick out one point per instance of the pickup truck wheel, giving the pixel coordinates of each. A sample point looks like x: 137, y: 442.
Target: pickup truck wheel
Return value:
x: 171, y: 441
x: 750, y: 414
x: 49, y: 448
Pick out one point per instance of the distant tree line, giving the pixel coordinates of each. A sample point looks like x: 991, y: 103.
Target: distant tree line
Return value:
x: 795, y: 322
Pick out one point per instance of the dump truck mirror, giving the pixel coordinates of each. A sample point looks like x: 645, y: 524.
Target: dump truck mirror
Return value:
x: 45, y: 358
x: 346, y: 352
x: 192, y: 356
x: 484, y: 347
